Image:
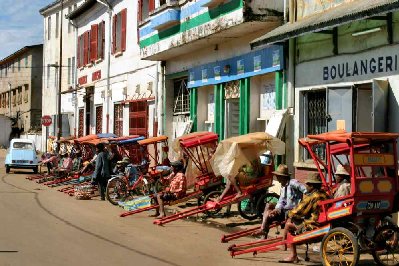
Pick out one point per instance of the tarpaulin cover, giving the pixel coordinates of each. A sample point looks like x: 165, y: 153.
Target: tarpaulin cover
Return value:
x: 233, y: 153
x: 137, y: 203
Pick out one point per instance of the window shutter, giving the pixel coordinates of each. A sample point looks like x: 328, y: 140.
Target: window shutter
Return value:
x: 86, y: 48
x: 123, y: 33
x: 78, y: 52
x: 93, y: 42
x: 114, y: 34
x: 151, y: 5
x: 139, y: 11
x: 102, y: 40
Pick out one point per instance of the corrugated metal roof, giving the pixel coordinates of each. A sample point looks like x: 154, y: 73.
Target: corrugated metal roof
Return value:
x: 337, y: 16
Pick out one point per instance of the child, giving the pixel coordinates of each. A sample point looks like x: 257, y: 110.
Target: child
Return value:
x: 176, y: 189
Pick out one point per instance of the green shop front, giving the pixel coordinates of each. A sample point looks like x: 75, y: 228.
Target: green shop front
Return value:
x: 238, y: 95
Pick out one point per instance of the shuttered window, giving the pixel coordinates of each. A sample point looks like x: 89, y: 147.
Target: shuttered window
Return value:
x: 93, y: 42
x: 119, y: 32
x: 100, y: 40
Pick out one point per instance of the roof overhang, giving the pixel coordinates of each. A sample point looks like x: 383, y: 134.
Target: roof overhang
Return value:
x: 337, y: 16
x: 81, y: 9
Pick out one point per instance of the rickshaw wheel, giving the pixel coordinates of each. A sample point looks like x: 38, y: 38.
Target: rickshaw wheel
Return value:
x: 268, y: 198
x: 247, y: 208
x: 215, y: 213
x: 116, y: 190
x: 339, y: 247
x: 142, y: 189
x: 386, y: 239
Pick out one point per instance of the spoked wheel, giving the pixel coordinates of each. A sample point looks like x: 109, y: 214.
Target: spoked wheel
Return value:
x: 268, y: 198
x: 116, y: 190
x: 142, y: 188
x: 339, y: 247
x: 247, y: 208
x: 217, y: 212
x: 386, y: 239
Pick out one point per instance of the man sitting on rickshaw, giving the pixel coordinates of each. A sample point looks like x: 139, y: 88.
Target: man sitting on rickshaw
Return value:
x: 290, y: 195
x: 176, y: 189
x: 304, y: 216
x: 342, y: 178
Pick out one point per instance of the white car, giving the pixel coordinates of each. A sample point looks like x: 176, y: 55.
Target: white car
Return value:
x: 21, y: 154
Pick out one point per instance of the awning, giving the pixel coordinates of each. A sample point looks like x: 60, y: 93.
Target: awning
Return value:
x: 337, y: 16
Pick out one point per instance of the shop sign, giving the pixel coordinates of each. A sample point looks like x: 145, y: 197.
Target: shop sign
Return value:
x: 259, y: 62
x: 96, y: 75
x: 361, y: 67
x: 82, y: 80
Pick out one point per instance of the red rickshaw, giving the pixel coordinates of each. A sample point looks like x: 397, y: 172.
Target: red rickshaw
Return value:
x: 356, y: 223
x: 230, y: 156
x: 199, y: 147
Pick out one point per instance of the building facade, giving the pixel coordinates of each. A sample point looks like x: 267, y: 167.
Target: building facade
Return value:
x: 345, y: 62
x: 21, y: 89
x: 117, y: 91
x: 213, y: 80
x: 59, y: 59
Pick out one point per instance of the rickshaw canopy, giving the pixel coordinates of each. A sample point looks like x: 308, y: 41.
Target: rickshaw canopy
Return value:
x: 115, y: 140
x: 232, y: 153
x: 152, y: 140
x: 130, y: 141
x: 85, y: 138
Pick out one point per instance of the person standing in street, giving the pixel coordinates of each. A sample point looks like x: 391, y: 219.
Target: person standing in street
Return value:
x: 102, y: 169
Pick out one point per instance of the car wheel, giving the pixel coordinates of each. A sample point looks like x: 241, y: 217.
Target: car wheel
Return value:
x: 35, y: 170
x: 7, y: 169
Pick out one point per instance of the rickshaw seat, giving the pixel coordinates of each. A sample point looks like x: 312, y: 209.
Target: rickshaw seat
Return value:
x: 330, y: 205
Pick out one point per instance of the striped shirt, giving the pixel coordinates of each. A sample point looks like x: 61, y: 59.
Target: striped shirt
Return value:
x: 308, y: 210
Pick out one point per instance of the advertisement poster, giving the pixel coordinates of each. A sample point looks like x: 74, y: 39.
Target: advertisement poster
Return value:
x: 216, y: 71
x: 191, y: 78
x: 257, y: 63
x: 240, y: 66
x: 204, y: 75
x: 276, y: 58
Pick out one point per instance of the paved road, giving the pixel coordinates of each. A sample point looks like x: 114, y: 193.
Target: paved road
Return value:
x: 40, y: 226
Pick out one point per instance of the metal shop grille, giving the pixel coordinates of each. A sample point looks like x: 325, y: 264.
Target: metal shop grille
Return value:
x: 182, y: 97
x: 316, y: 117
x: 99, y: 119
x: 81, y: 116
x: 118, y: 119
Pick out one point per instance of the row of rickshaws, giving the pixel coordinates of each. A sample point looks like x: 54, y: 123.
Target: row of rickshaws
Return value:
x: 361, y: 222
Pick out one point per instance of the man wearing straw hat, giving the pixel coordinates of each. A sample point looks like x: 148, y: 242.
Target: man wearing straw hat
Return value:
x: 342, y: 178
x: 304, y: 216
x: 290, y: 195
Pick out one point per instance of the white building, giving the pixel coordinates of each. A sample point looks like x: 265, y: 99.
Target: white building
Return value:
x: 117, y: 91
x: 54, y: 20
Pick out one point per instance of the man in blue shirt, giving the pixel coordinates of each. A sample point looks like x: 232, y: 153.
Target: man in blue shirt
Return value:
x: 290, y: 195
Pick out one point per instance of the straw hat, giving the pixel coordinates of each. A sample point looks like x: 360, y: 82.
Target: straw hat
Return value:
x: 313, y: 178
x: 341, y: 170
x: 282, y: 170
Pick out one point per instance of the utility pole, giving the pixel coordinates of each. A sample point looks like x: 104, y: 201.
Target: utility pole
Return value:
x: 59, y: 116
x: 9, y: 96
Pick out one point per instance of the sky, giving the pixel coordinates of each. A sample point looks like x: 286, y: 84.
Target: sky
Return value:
x: 20, y: 24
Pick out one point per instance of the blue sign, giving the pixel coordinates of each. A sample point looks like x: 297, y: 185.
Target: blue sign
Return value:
x: 255, y: 63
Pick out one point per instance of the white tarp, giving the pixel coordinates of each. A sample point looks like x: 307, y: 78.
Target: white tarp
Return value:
x: 232, y: 153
